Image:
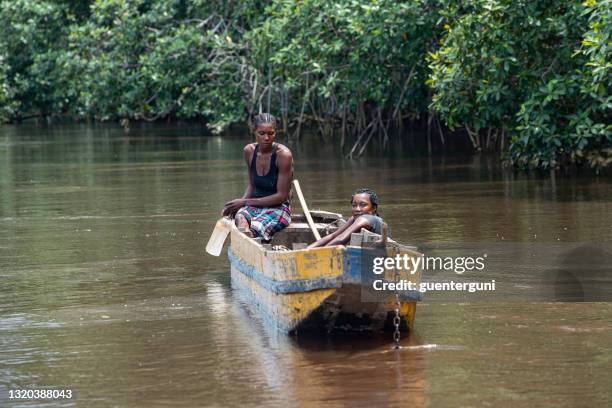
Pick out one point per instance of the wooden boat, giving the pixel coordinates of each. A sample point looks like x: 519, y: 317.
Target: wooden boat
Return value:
x: 319, y: 289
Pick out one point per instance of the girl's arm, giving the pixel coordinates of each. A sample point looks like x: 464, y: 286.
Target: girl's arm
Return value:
x: 344, y: 236
x: 326, y: 239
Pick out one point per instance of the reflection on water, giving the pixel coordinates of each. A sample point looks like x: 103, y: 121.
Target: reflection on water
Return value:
x: 105, y: 287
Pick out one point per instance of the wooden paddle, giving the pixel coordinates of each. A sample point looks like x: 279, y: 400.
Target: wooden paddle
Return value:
x: 298, y: 191
x: 220, y: 233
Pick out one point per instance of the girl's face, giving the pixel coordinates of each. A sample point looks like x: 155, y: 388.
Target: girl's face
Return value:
x: 265, y: 134
x: 362, y: 205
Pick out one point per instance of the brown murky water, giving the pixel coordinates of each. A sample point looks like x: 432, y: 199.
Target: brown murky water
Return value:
x: 105, y: 288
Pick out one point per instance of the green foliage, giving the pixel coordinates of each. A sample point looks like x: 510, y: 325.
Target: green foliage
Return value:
x: 567, y: 119
x: 32, y: 36
x: 537, y: 71
x: 364, y: 51
x: 148, y: 60
x: 8, y: 103
x: 537, y: 68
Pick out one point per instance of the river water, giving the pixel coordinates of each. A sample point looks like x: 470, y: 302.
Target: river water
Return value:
x: 105, y: 288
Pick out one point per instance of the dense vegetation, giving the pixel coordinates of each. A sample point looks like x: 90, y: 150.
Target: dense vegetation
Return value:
x: 529, y: 75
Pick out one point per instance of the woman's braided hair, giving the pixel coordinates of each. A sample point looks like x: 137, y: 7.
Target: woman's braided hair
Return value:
x: 371, y: 194
x: 264, y: 118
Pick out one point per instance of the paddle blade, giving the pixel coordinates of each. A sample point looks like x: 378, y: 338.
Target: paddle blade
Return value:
x: 216, y: 240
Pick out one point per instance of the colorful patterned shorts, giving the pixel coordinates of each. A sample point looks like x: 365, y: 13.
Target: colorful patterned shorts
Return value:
x: 266, y: 221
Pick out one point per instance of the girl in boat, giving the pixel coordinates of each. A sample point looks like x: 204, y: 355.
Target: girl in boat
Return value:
x: 264, y: 209
x: 364, y: 203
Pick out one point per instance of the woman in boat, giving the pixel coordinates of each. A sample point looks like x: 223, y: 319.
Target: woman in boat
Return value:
x: 264, y: 209
x: 364, y: 204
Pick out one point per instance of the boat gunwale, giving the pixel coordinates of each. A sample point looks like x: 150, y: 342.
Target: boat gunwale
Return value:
x: 292, y: 285
x: 257, y: 243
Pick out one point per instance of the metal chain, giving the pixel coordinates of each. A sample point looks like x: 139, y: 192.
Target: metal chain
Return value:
x: 397, y: 319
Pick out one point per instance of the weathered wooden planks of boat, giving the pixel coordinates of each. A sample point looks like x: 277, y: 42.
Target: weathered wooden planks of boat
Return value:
x: 320, y: 289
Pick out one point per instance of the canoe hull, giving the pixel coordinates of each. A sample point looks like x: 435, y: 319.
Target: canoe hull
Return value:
x: 312, y: 289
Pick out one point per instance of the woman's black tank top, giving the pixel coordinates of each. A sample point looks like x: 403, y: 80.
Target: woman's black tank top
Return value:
x: 264, y: 185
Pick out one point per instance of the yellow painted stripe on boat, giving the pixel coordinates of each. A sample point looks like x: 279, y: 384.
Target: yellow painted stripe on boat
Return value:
x: 286, y: 311
x: 309, y: 264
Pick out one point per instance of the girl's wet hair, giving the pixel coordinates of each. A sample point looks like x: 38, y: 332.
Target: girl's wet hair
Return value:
x: 371, y: 194
x: 265, y: 118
